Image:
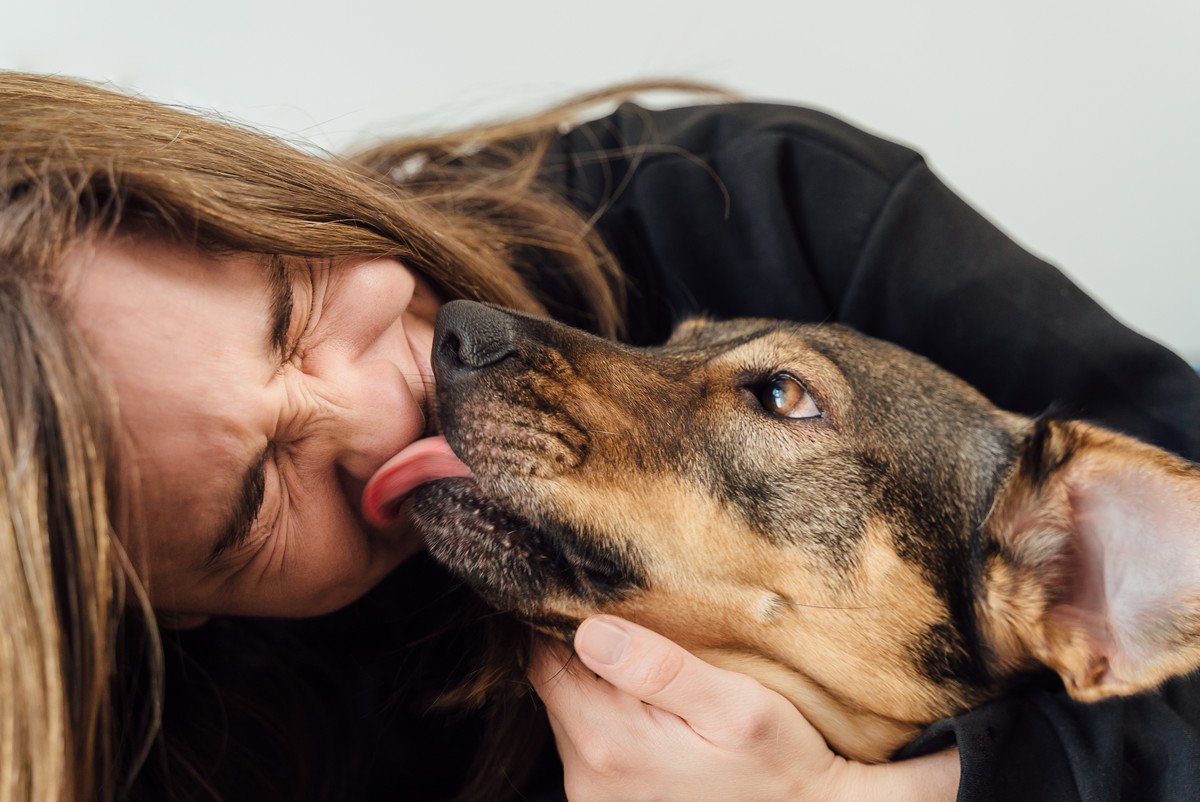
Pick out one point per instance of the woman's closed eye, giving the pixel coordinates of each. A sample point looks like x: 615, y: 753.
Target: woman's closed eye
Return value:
x: 261, y: 505
x: 270, y: 527
x: 256, y: 514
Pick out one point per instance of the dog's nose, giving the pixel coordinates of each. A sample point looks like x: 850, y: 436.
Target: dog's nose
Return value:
x: 470, y: 336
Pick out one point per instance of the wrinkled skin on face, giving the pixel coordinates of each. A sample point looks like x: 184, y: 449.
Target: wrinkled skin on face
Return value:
x: 833, y: 515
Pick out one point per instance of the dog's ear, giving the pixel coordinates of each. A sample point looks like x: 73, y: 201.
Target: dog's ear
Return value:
x: 1095, y: 565
x: 689, y: 330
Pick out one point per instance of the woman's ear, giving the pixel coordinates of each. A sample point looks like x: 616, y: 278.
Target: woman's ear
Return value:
x: 1094, y: 561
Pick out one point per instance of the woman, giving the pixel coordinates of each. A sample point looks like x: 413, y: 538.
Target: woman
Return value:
x: 212, y: 343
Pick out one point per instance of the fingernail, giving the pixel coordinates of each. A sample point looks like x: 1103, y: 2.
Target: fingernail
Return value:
x: 603, y: 642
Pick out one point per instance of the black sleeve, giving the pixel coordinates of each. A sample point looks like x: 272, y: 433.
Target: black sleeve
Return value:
x: 775, y: 211
x: 939, y: 279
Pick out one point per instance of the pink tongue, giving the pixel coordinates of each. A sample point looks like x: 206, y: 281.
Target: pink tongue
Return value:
x: 423, y: 461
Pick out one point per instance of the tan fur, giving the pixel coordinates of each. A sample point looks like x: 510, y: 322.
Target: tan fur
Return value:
x: 785, y: 622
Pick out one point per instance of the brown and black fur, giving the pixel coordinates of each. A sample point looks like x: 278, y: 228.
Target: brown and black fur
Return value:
x: 903, y: 556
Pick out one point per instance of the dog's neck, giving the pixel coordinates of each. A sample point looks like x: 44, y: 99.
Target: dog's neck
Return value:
x: 851, y: 732
x: 893, y: 708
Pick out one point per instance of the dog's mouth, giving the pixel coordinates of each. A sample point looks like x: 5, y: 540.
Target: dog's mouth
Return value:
x: 481, y: 538
x: 513, y: 563
x: 497, y: 551
x: 424, y: 460
x: 491, y: 494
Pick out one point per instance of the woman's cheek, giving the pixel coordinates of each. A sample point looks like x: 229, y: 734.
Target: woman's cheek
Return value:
x: 328, y: 561
x: 318, y: 555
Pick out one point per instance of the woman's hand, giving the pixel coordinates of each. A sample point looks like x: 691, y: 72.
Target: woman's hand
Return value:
x: 659, y: 723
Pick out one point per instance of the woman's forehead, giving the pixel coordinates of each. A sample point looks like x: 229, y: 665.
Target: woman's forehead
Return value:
x: 141, y: 303
x: 184, y: 340
x: 123, y: 274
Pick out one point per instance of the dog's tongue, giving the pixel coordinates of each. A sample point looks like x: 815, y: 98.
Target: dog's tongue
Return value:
x: 425, y: 460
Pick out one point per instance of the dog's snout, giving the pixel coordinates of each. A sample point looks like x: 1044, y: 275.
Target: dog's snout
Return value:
x: 470, y: 336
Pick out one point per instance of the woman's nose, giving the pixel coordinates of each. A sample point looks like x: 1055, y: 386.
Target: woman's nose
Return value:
x: 377, y: 416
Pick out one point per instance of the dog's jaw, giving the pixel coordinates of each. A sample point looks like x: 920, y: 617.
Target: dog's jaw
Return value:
x: 486, y: 545
x: 517, y: 565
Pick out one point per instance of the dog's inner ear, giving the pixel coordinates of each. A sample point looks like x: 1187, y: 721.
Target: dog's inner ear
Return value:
x: 1097, y: 570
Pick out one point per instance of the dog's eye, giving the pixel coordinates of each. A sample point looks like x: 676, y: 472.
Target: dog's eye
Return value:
x: 785, y: 396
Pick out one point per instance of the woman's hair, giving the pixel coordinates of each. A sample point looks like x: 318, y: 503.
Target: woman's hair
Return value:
x: 80, y: 660
x: 57, y: 598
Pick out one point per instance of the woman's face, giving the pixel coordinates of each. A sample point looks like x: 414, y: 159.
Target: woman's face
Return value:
x: 252, y: 430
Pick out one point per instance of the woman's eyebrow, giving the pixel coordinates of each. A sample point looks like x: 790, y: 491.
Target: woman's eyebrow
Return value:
x: 238, y: 525
x: 280, y: 289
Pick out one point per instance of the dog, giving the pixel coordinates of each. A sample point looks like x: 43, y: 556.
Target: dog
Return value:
x: 828, y: 513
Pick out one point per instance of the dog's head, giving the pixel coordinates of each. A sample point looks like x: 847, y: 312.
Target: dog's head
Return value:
x: 831, y: 514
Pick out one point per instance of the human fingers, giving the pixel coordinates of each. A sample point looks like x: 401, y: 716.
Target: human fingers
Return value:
x: 725, y: 707
x: 655, y: 722
x: 579, y: 703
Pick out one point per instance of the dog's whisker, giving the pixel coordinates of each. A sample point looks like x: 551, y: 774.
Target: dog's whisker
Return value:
x: 602, y: 431
x: 824, y: 606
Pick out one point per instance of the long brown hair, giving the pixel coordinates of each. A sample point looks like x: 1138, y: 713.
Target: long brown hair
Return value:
x: 79, y: 161
x: 56, y: 553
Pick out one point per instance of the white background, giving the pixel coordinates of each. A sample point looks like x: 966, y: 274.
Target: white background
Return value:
x: 1074, y: 125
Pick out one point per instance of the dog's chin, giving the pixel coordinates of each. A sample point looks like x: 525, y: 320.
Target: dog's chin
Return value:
x: 487, y: 545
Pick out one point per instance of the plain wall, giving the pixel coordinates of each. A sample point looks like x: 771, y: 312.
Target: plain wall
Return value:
x: 1075, y: 126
